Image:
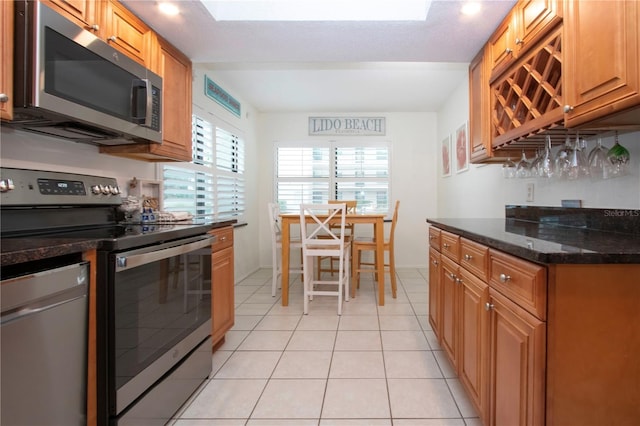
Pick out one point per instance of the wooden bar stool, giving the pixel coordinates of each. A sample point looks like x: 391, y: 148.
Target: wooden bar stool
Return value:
x: 359, y: 245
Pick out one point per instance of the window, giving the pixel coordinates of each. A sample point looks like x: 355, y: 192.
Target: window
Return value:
x: 316, y: 173
x: 212, y: 185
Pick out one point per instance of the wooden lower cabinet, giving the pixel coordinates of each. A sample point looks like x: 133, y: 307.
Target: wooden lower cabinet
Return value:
x: 593, y: 345
x: 222, y: 286
x: 449, y: 301
x: 517, y: 364
x: 474, y: 339
x: 496, y: 347
x: 434, y: 291
x: 535, y: 344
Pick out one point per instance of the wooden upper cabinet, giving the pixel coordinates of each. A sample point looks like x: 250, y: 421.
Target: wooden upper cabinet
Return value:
x: 533, y: 18
x: 501, y: 46
x: 6, y: 56
x: 522, y: 27
x: 83, y: 12
x: 175, y: 69
x: 602, y: 62
x: 124, y: 31
x: 479, y: 119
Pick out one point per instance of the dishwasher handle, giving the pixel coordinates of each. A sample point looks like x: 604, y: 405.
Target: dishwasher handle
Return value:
x: 141, y: 257
x: 27, y: 290
x: 75, y: 293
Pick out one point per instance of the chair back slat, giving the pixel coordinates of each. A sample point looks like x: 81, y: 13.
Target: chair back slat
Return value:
x: 321, y: 216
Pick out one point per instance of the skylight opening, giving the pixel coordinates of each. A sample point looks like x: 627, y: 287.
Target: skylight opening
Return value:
x: 318, y: 10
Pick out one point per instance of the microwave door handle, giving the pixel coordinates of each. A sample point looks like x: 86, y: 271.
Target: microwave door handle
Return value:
x: 141, y: 112
x: 126, y: 261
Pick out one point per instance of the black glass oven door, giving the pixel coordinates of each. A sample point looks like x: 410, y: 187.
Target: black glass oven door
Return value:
x: 161, y: 311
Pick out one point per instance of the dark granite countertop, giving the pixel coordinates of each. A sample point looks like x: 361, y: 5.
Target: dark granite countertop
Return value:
x: 547, y: 243
x: 25, y: 249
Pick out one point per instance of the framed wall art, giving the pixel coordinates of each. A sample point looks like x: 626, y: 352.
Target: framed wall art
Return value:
x: 462, y: 149
x: 445, y: 156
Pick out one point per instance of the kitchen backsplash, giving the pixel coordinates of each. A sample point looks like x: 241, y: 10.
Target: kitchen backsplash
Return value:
x: 625, y: 221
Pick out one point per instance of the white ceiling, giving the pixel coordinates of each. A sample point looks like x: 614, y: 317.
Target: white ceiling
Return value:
x: 350, y: 66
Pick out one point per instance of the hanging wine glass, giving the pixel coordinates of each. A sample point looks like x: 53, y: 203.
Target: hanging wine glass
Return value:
x: 535, y: 164
x: 577, y: 166
x: 599, y: 165
x: 561, y: 161
x: 523, y: 167
x: 619, y: 157
x: 545, y: 168
x: 508, y: 169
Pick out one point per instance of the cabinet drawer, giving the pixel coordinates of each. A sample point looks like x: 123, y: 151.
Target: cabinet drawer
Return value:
x: 434, y: 238
x: 523, y: 282
x: 224, y: 238
x: 450, y: 245
x: 475, y: 258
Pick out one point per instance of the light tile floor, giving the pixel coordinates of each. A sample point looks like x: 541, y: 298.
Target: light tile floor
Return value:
x: 374, y: 365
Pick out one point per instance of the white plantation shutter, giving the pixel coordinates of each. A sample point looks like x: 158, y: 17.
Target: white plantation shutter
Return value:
x: 230, y: 187
x: 302, y: 176
x: 362, y: 174
x: 202, y: 141
x: 212, y: 185
x: 325, y: 171
x: 187, y: 190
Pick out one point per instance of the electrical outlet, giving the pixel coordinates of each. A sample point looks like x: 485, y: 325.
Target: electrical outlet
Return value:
x: 530, y: 192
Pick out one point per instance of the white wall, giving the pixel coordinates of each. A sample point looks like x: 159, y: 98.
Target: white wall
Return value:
x: 412, y: 136
x: 481, y: 191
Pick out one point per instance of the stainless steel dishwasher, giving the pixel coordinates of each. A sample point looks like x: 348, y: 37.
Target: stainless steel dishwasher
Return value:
x: 43, y: 333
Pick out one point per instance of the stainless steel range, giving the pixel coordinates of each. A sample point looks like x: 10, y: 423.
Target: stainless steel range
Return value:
x: 153, y: 312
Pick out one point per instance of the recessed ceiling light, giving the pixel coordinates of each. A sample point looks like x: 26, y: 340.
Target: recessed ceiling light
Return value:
x: 318, y: 10
x: 471, y: 8
x: 168, y: 8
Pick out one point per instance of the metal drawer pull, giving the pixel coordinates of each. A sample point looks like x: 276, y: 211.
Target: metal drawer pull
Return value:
x: 504, y: 278
x: 468, y: 257
x: 488, y: 306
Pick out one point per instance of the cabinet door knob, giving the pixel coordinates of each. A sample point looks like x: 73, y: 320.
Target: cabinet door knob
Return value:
x: 113, y: 38
x: 568, y: 108
x: 435, y: 262
x: 94, y: 27
x: 445, y: 245
x: 488, y: 306
x: 519, y: 41
x: 452, y: 276
x: 4, y: 97
x: 458, y: 280
x: 504, y: 278
x: 508, y: 50
x: 468, y: 257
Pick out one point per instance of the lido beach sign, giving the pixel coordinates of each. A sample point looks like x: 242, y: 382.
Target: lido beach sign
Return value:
x: 347, y: 126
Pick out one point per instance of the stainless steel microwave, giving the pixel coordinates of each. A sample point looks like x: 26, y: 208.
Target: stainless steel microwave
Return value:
x: 69, y: 83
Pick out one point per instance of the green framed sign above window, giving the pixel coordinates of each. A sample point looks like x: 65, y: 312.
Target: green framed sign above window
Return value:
x: 221, y: 96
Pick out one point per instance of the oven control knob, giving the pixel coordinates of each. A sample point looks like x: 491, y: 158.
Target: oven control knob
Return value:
x: 96, y: 189
x: 115, y: 190
x: 106, y: 190
x: 6, y: 185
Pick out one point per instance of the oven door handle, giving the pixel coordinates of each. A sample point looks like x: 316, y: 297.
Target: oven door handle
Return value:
x: 137, y: 258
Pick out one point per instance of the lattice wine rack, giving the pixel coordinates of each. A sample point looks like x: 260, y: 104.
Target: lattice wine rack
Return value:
x: 527, y: 101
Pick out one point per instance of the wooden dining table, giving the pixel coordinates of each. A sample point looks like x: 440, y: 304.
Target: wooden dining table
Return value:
x: 377, y: 220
